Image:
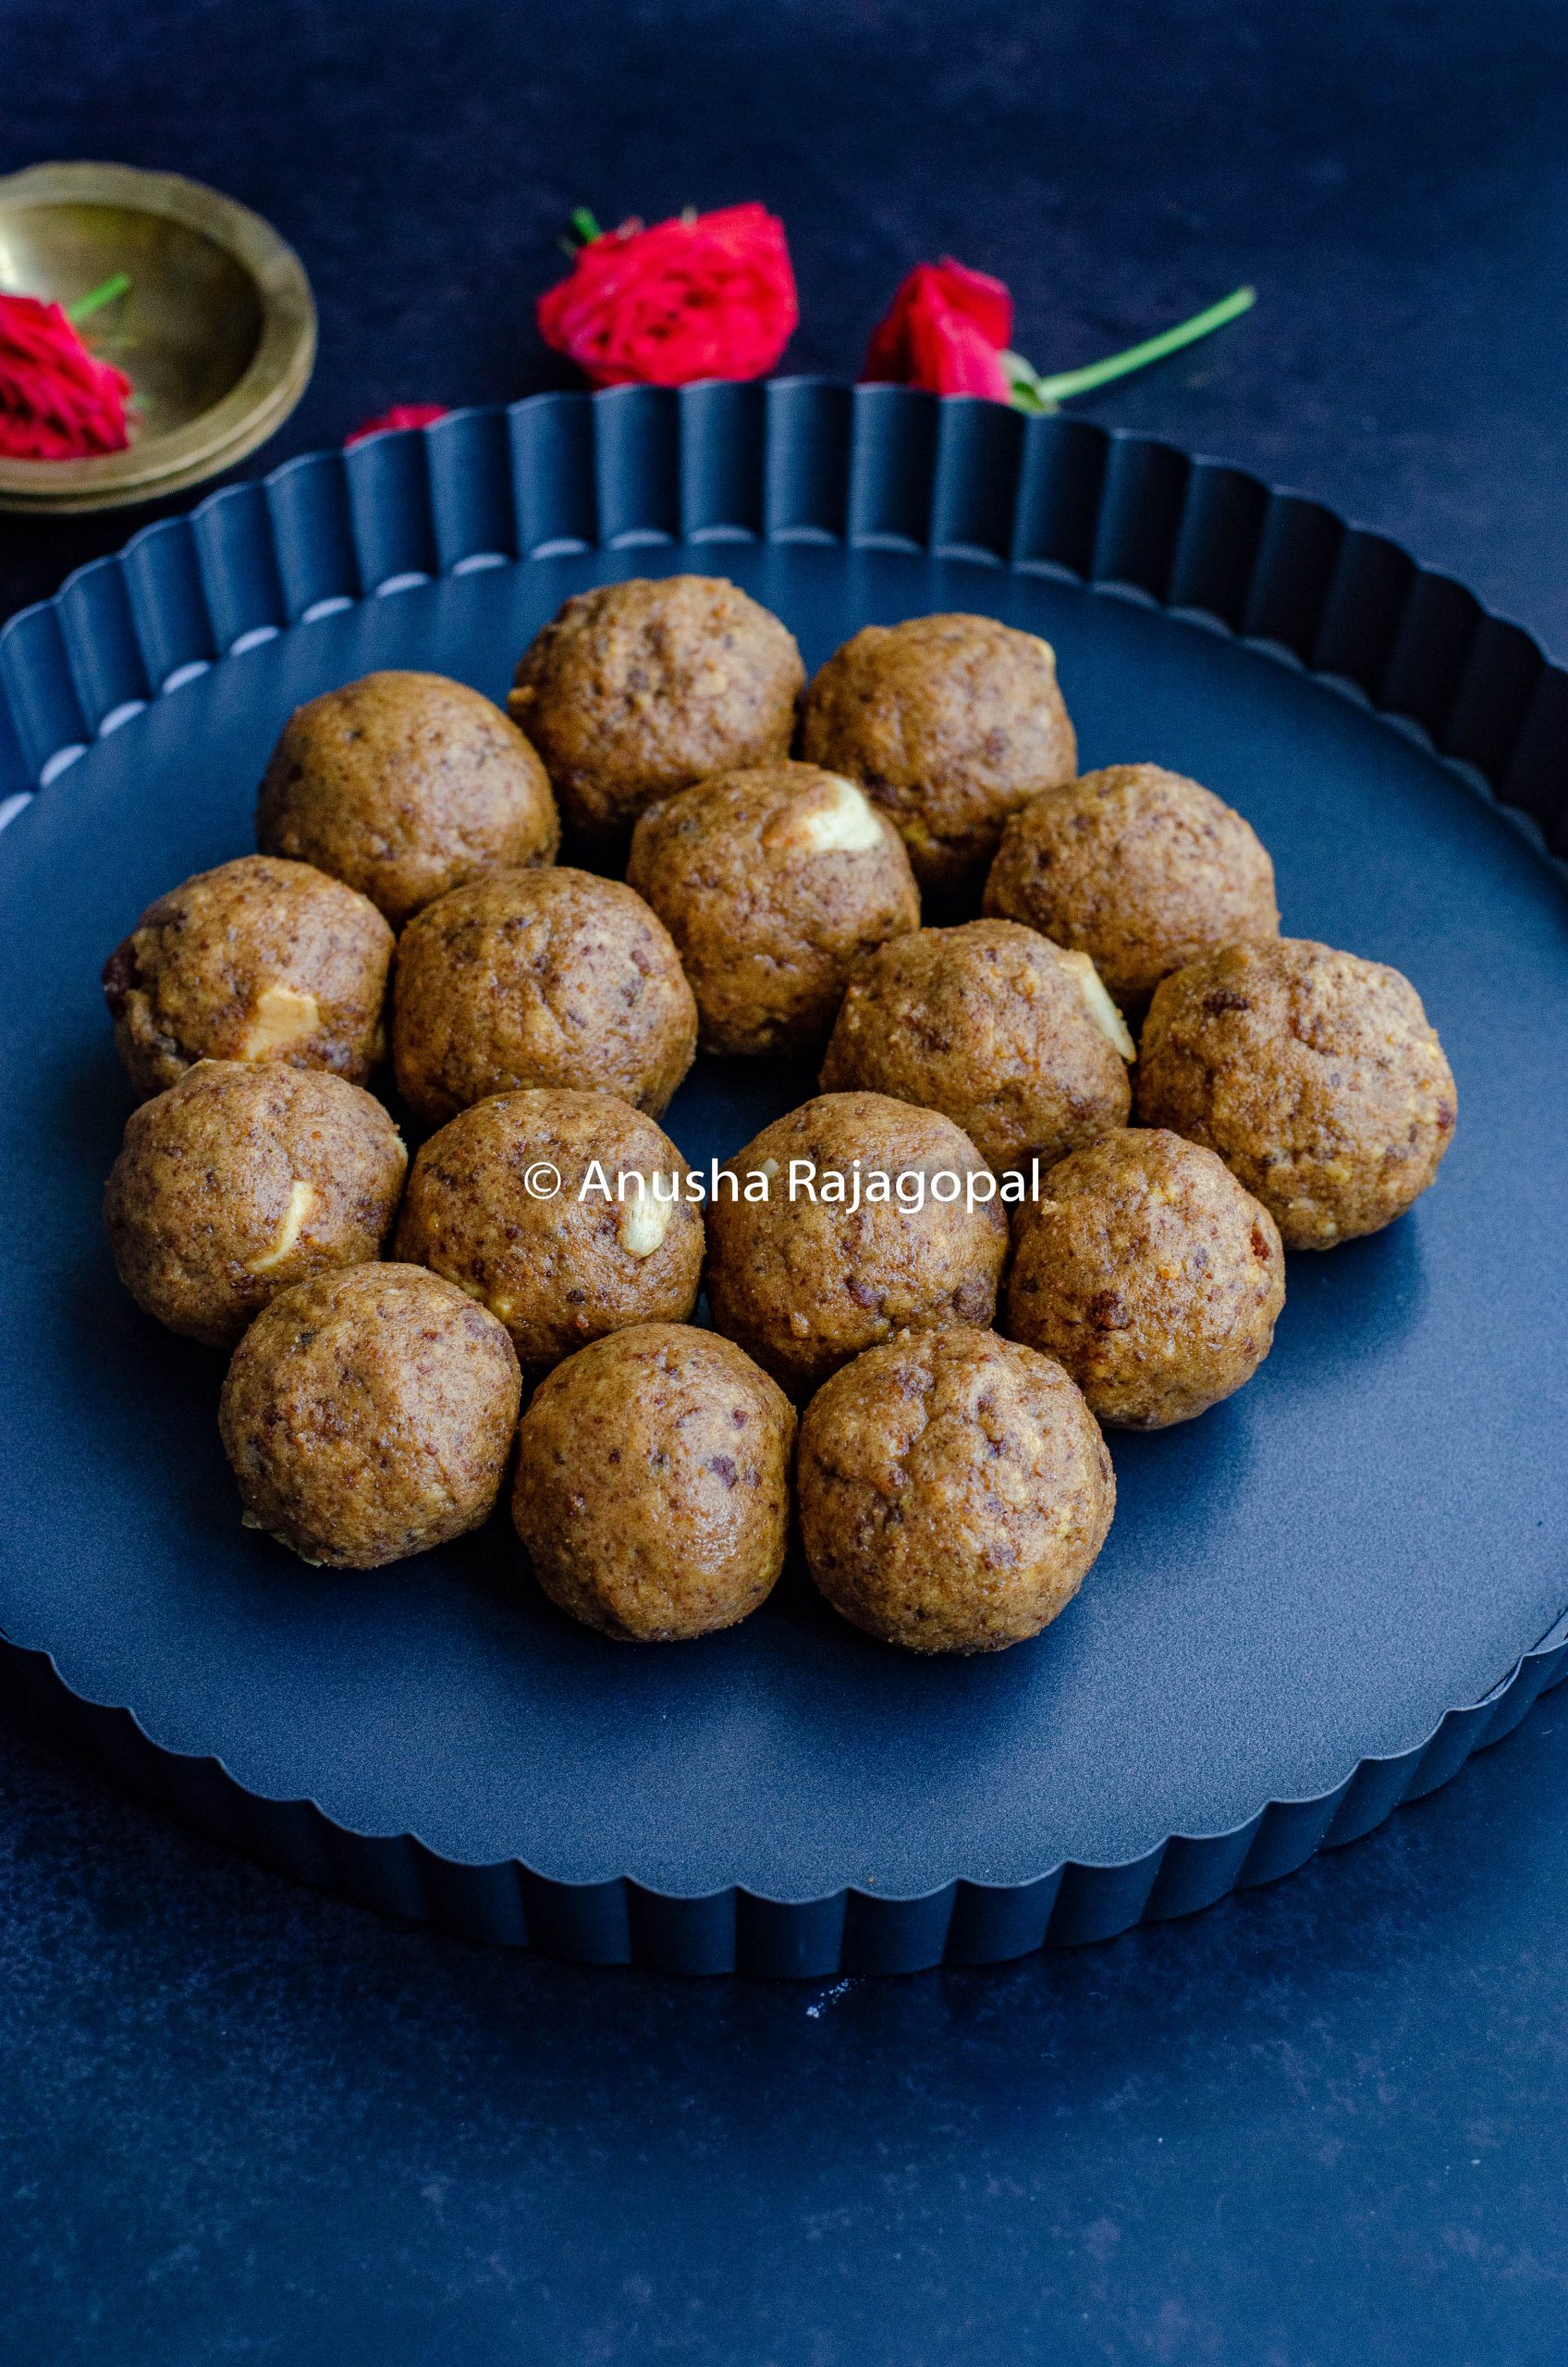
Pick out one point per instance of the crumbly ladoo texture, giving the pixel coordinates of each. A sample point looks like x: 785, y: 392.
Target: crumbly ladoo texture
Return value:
x: 774, y: 883
x: 1314, y: 1075
x: 368, y: 1413
x: 260, y: 960
x: 1140, y: 868
x: 805, y: 1285
x: 954, y: 1490
x: 405, y: 785
x: 636, y: 690
x: 949, y: 724
x: 1149, y: 1273
x: 652, y: 1489
x: 550, y: 977
x: 1006, y: 1034
x: 528, y: 1201
x: 242, y: 1180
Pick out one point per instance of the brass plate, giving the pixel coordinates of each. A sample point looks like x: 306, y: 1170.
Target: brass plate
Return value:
x: 217, y: 331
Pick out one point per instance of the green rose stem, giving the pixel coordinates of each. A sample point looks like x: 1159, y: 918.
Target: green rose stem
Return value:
x: 1031, y: 392
x: 96, y: 298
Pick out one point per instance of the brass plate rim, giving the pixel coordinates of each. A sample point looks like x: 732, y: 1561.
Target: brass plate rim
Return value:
x: 258, y: 403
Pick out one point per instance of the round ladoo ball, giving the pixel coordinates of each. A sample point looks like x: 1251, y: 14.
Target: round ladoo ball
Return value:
x: 652, y: 1489
x: 1314, y: 1074
x: 953, y: 1490
x: 368, y: 1415
x: 1013, y: 1038
x: 638, y: 689
x: 529, y: 1202
x: 552, y: 977
x: 1142, y: 870
x: 241, y: 1180
x: 1148, y: 1272
x: 949, y: 723
x: 804, y: 1278
x: 260, y: 960
x: 773, y: 883
x: 406, y: 785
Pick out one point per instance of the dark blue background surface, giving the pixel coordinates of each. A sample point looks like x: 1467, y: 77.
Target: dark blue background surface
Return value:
x: 1324, y: 2123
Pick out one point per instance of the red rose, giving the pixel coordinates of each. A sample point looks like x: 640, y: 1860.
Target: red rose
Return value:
x: 704, y: 296
x: 57, y: 401
x: 947, y: 328
x: 400, y: 416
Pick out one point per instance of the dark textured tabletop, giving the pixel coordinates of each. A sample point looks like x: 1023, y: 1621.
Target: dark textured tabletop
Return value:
x: 1326, y: 2122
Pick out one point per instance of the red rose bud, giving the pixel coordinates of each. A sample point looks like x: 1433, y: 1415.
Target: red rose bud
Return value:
x: 948, y: 329
x: 951, y: 329
x: 703, y: 295
x: 57, y: 401
x: 400, y: 416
